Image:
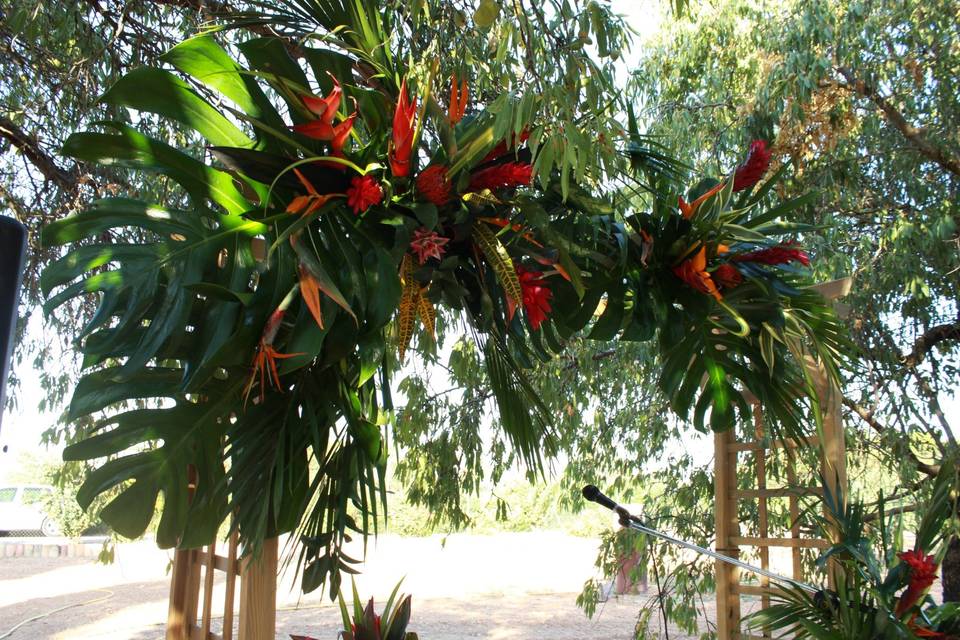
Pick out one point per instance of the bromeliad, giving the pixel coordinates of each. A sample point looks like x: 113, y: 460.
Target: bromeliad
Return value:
x: 428, y: 244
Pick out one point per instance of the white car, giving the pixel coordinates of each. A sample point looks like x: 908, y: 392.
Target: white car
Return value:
x: 21, y: 509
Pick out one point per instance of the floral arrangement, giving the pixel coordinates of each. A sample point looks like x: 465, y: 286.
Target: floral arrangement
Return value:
x: 879, y: 592
x: 367, y: 625
x: 339, y: 211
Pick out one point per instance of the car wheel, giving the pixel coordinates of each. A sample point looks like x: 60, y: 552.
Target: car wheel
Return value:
x: 49, y: 528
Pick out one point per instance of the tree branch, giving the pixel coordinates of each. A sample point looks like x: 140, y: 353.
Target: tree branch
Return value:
x: 32, y: 151
x: 867, y: 416
x: 912, y: 134
x: 928, y: 340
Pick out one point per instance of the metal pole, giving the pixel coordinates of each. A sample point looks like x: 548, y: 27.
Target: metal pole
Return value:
x: 632, y: 522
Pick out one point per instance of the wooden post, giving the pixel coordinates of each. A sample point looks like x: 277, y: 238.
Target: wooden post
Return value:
x: 728, y: 576
x: 184, y: 585
x: 258, y: 594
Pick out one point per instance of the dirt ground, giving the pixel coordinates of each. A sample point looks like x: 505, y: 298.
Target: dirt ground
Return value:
x: 503, y: 587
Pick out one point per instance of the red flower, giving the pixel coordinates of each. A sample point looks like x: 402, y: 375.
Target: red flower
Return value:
x: 501, y: 148
x: 428, y: 244
x: 458, y: 99
x: 404, y: 121
x: 536, y: 296
x: 502, y: 176
x: 363, y: 193
x: 326, y: 110
x: 780, y: 254
x: 727, y: 276
x: 923, y: 571
x: 433, y: 184
x: 693, y: 271
x: 753, y: 168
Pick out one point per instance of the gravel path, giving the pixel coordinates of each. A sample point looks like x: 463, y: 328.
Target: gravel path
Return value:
x: 503, y: 587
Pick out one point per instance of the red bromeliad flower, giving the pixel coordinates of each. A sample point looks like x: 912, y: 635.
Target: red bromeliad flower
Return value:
x: 404, y: 121
x: 458, y: 99
x: 727, y: 276
x: 502, y: 176
x: 536, y: 296
x: 753, y: 168
x: 693, y: 271
x: 433, y: 184
x: 428, y: 244
x: 780, y: 254
x: 923, y: 571
x: 363, y: 193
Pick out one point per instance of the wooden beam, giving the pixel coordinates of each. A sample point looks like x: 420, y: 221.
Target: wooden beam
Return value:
x: 258, y: 594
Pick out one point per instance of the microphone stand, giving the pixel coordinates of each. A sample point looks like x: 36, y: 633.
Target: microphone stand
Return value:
x: 630, y: 521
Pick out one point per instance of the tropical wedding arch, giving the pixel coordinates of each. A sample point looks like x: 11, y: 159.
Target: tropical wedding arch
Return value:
x: 354, y: 187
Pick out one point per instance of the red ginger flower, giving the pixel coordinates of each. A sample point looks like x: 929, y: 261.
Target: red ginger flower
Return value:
x: 428, y: 244
x: 753, y: 168
x: 501, y: 148
x: 502, y: 176
x: 693, y: 271
x: 536, y: 296
x: 923, y: 571
x: 727, y: 276
x: 433, y: 184
x: 780, y: 254
x: 404, y: 121
x: 363, y: 193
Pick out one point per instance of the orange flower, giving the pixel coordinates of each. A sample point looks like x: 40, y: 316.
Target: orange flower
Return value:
x: 265, y: 360
x: 404, y: 121
x: 693, y: 271
x: 307, y: 204
x: 690, y: 210
x: 458, y: 99
x: 310, y: 292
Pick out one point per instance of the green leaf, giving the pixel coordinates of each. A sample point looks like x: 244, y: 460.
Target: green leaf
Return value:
x: 157, y: 91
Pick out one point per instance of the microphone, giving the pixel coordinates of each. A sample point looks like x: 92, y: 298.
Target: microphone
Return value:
x: 593, y: 494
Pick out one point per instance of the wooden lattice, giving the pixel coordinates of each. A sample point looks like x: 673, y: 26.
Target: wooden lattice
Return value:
x: 832, y: 459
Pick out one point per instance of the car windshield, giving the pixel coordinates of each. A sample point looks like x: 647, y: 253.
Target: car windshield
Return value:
x: 7, y: 494
x: 32, y: 495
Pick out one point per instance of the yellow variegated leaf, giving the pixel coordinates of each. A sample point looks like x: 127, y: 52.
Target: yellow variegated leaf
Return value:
x: 407, y: 311
x: 496, y: 254
x: 427, y: 312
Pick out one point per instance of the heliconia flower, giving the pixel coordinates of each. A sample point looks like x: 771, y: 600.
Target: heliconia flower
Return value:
x: 751, y: 171
x: 536, y: 296
x: 325, y: 108
x: 341, y: 132
x: 404, y: 121
x: 428, y: 244
x: 265, y: 360
x: 458, y: 99
x: 923, y: 572
x: 502, y: 176
x: 780, y: 254
x: 335, y: 134
x: 501, y: 148
x: 363, y: 192
x: 433, y: 184
x: 727, y: 276
x: 693, y: 271
x: 690, y: 210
